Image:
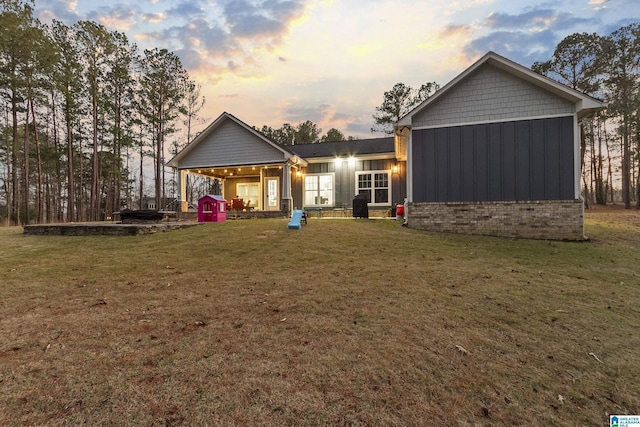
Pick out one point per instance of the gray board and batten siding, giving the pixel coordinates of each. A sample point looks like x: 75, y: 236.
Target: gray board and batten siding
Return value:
x: 507, y: 161
x: 231, y: 145
x: 371, y: 154
x: 345, y: 180
x: 494, y: 137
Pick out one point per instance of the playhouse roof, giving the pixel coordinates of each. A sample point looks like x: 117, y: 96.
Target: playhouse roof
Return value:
x: 214, y: 197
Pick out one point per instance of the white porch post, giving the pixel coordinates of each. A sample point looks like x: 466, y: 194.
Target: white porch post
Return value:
x: 286, y: 187
x: 182, y: 195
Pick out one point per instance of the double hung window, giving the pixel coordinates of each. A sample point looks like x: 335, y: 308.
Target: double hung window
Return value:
x: 376, y: 185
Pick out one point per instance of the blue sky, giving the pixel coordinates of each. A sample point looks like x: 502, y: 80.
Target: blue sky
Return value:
x: 270, y: 62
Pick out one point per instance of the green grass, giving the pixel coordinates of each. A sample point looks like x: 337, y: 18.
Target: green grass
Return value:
x: 340, y: 323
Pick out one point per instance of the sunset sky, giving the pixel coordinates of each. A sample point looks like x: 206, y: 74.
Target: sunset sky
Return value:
x: 270, y: 62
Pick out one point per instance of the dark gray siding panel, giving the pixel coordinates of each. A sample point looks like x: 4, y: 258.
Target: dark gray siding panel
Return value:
x: 510, y: 161
x: 442, y: 166
x: 467, y: 153
x: 522, y: 162
x: 566, y: 152
x: 494, y: 147
x: 481, y: 166
x: 430, y: 162
x: 537, y: 159
x: 455, y: 165
x: 552, y: 152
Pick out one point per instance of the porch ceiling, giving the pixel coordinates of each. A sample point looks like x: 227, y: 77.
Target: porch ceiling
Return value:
x: 224, y: 172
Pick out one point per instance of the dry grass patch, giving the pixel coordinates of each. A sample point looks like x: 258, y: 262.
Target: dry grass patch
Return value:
x: 340, y: 323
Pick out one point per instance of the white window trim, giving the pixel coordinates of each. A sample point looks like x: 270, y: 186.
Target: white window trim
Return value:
x: 333, y: 190
x: 249, y: 184
x: 389, y: 175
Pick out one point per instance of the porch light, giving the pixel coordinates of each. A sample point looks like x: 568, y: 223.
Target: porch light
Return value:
x: 394, y: 168
x: 225, y: 171
x: 253, y: 168
x: 298, y: 174
x: 199, y: 171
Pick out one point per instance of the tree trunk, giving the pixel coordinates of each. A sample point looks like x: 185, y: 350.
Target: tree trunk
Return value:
x: 71, y: 191
x: 57, y: 206
x: 39, y: 200
x: 15, y: 190
x: 95, y: 173
x: 25, y: 168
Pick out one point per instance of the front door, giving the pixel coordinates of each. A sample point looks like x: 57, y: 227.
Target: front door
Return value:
x: 272, y: 194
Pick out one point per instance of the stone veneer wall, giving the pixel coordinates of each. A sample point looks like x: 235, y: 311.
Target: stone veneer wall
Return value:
x: 555, y: 220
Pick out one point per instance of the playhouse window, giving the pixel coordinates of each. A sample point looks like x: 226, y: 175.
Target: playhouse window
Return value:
x: 318, y: 190
x: 375, y: 185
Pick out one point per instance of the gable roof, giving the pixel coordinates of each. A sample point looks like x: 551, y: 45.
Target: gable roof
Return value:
x: 585, y: 104
x: 355, y: 147
x: 223, y: 119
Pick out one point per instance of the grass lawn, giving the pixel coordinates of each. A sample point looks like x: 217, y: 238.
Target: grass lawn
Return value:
x: 340, y: 323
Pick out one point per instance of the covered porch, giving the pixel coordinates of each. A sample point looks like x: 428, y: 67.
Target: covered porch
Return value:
x: 253, y: 173
x: 250, y: 190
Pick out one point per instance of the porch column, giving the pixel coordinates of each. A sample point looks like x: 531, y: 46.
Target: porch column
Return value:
x: 285, y: 205
x: 182, y: 194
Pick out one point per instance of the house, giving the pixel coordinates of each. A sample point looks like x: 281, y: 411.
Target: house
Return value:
x: 270, y: 178
x: 495, y: 151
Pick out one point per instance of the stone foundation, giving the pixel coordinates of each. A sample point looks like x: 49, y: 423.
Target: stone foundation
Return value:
x: 103, y: 228
x: 554, y: 220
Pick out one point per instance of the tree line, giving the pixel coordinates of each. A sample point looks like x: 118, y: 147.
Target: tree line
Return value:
x: 608, y: 68
x: 305, y: 132
x: 78, y: 101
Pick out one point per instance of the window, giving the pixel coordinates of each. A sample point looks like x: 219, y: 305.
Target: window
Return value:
x: 249, y: 193
x: 318, y: 190
x: 376, y: 185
